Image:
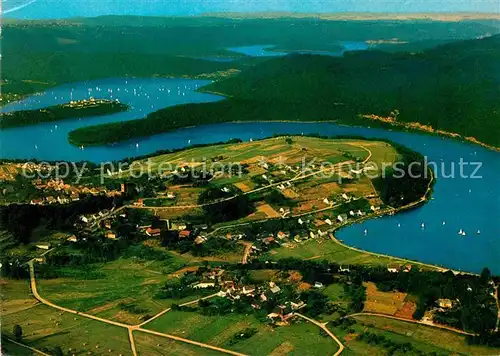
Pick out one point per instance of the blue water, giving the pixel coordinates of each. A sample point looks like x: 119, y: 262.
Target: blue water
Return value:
x: 49, y: 141
x: 267, y: 50
x: 463, y: 203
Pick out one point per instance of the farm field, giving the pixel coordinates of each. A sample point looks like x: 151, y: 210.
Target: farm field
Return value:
x: 118, y: 284
x: 297, y: 339
x: 390, y: 303
x: 45, y: 328
x: 274, y: 151
x: 147, y: 345
x: 425, y: 337
x: 326, y: 249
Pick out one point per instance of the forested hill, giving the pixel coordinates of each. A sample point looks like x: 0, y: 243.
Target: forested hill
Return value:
x: 454, y: 87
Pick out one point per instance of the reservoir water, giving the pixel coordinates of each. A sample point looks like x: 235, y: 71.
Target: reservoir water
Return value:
x: 466, y: 203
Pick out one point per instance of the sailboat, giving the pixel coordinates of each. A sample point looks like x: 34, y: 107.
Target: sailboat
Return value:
x: 423, y: 226
x: 444, y: 222
x: 478, y: 232
x: 366, y: 232
x: 461, y: 232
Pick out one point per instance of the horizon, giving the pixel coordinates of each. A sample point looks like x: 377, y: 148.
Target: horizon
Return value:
x: 65, y: 9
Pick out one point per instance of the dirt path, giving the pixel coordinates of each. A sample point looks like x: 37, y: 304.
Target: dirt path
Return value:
x: 444, y: 327
x: 325, y: 329
x: 498, y: 308
x: 246, y: 253
x: 168, y: 309
x: 27, y: 347
x: 130, y: 328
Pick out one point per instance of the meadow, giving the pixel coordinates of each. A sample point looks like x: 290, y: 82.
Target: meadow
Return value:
x: 300, y: 338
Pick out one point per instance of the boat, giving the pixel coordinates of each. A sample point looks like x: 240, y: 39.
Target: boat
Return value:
x: 399, y: 225
x: 461, y: 232
x: 423, y: 226
x: 366, y: 232
x: 444, y: 222
x: 478, y: 232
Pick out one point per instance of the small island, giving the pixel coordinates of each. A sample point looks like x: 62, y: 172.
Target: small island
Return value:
x: 73, y: 109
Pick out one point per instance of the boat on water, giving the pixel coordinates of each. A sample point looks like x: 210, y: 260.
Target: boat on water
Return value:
x: 461, y: 232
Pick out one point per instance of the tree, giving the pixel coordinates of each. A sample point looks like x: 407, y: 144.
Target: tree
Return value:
x: 289, y: 140
x: 58, y: 351
x: 17, y: 332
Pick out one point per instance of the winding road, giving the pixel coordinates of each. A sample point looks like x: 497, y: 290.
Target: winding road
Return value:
x: 130, y: 328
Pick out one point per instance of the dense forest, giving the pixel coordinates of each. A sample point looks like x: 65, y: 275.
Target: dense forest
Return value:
x: 40, y: 54
x: 59, y: 112
x: 454, y: 87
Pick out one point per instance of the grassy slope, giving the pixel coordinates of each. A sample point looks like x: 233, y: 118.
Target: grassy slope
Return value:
x: 453, y: 87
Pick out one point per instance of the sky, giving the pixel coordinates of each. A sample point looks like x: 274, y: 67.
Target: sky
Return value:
x: 36, y: 9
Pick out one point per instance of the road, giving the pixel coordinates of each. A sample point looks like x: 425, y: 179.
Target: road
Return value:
x: 439, y: 326
x: 323, y: 326
x: 28, y: 347
x: 498, y: 307
x: 130, y: 328
x: 246, y: 252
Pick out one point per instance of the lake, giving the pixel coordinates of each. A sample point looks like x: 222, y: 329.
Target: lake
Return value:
x: 461, y: 203
x: 267, y: 50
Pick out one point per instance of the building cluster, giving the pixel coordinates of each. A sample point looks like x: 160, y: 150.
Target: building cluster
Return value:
x: 63, y: 193
x: 256, y: 295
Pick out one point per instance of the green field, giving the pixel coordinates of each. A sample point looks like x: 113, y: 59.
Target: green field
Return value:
x: 425, y: 338
x: 45, y: 327
x: 325, y: 249
x: 129, y: 281
x: 300, y: 338
x: 147, y: 344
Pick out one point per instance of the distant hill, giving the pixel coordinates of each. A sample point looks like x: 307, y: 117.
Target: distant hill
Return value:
x: 453, y: 87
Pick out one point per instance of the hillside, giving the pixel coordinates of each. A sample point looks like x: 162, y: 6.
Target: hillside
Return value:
x: 454, y: 87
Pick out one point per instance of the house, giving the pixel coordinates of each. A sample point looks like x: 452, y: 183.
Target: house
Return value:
x: 204, y: 285
x: 248, y: 289
x: 374, y: 208
x: 299, y: 305
x: 178, y: 226
x: 84, y: 219
x: 328, y: 221
x: 43, y: 246
x: 344, y: 195
x: 322, y: 233
x: 351, y: 213
x: 312, y: 235
x: 51, y: 200
x: 274, y: 288
x: 300, y: 221
x: 110, y: 235
x: 445, y: 303
x: 72, y: 238
x: 356, y: 171
x: 36, y: 202
x: 107, y: 225
x: 326, y: 201
x: 342, y: 269
x: 318, y: 285
x: 225, y: 190
x: 184, y: 233
x: 282, y: 235
x: 153, y: 232
x: 170, y: 195
x: 393, y: 268
x: 297, y: 238
x: 268, y: 240
x: 342, y: 218
x: 40, y: 259
x: 407, y: 268
x: 199, y: 240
